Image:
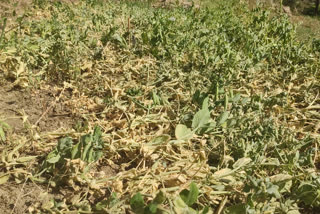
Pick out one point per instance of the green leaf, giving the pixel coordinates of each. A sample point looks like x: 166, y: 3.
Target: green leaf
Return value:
x: 5, y: 125
x: 64, y: 144
x: 206, y: 210
x: 152, y: 208
x: 235, y: 209
x: 190, y: 196
x: 241, y: 162
x: 161, y: 139
x: 75, y: 153
x: 160, y: 198
x: 87, y: 146
x: 156, y: 99
x: 90, y: 156
x: 137, y: 203
x: 201, y: 118
x: 205, y: 103
x: 54, y: 159
x: 182, y: 132
x: 274, y: 190
x: 97, y: 133
x: 236, y: 98
x: 223, y: 118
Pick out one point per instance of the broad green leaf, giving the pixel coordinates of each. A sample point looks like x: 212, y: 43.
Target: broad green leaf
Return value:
x: 241, y: 162
x: 223, y: 118
x: 182, y: 132
x: 201, y: 118
x: 75, y: 153
x: 205, y: 103
x: 90, y: 156
x: 97, y: 155
x: 190, y: 196
x: 274, y: 190
x: 87, y: 146
x: 137, y: 203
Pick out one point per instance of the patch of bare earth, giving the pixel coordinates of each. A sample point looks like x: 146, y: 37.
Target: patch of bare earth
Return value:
x: 19, y: 198
x: 43, y: 108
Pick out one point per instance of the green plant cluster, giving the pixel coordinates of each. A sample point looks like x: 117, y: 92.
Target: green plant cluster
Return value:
x: 88, y: 149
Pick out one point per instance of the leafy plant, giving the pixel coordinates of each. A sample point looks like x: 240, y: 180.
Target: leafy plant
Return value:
x: 182, y: 204
x: 88, y: 149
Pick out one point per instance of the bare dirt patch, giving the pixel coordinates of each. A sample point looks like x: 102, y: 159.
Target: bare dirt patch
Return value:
x: 36, y: 107
x: 18, y: 198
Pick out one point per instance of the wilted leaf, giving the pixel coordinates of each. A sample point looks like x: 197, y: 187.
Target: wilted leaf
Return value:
x: 271, y: 162
x: 241, y: 162
x: 182, y: 208
x: 25, y: 159
x: 280, y: 177
x: 222, y: 173
x: 4, y: 178
x: 182, y: 132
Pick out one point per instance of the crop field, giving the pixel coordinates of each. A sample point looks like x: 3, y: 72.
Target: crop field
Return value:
x: 154, y: 107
